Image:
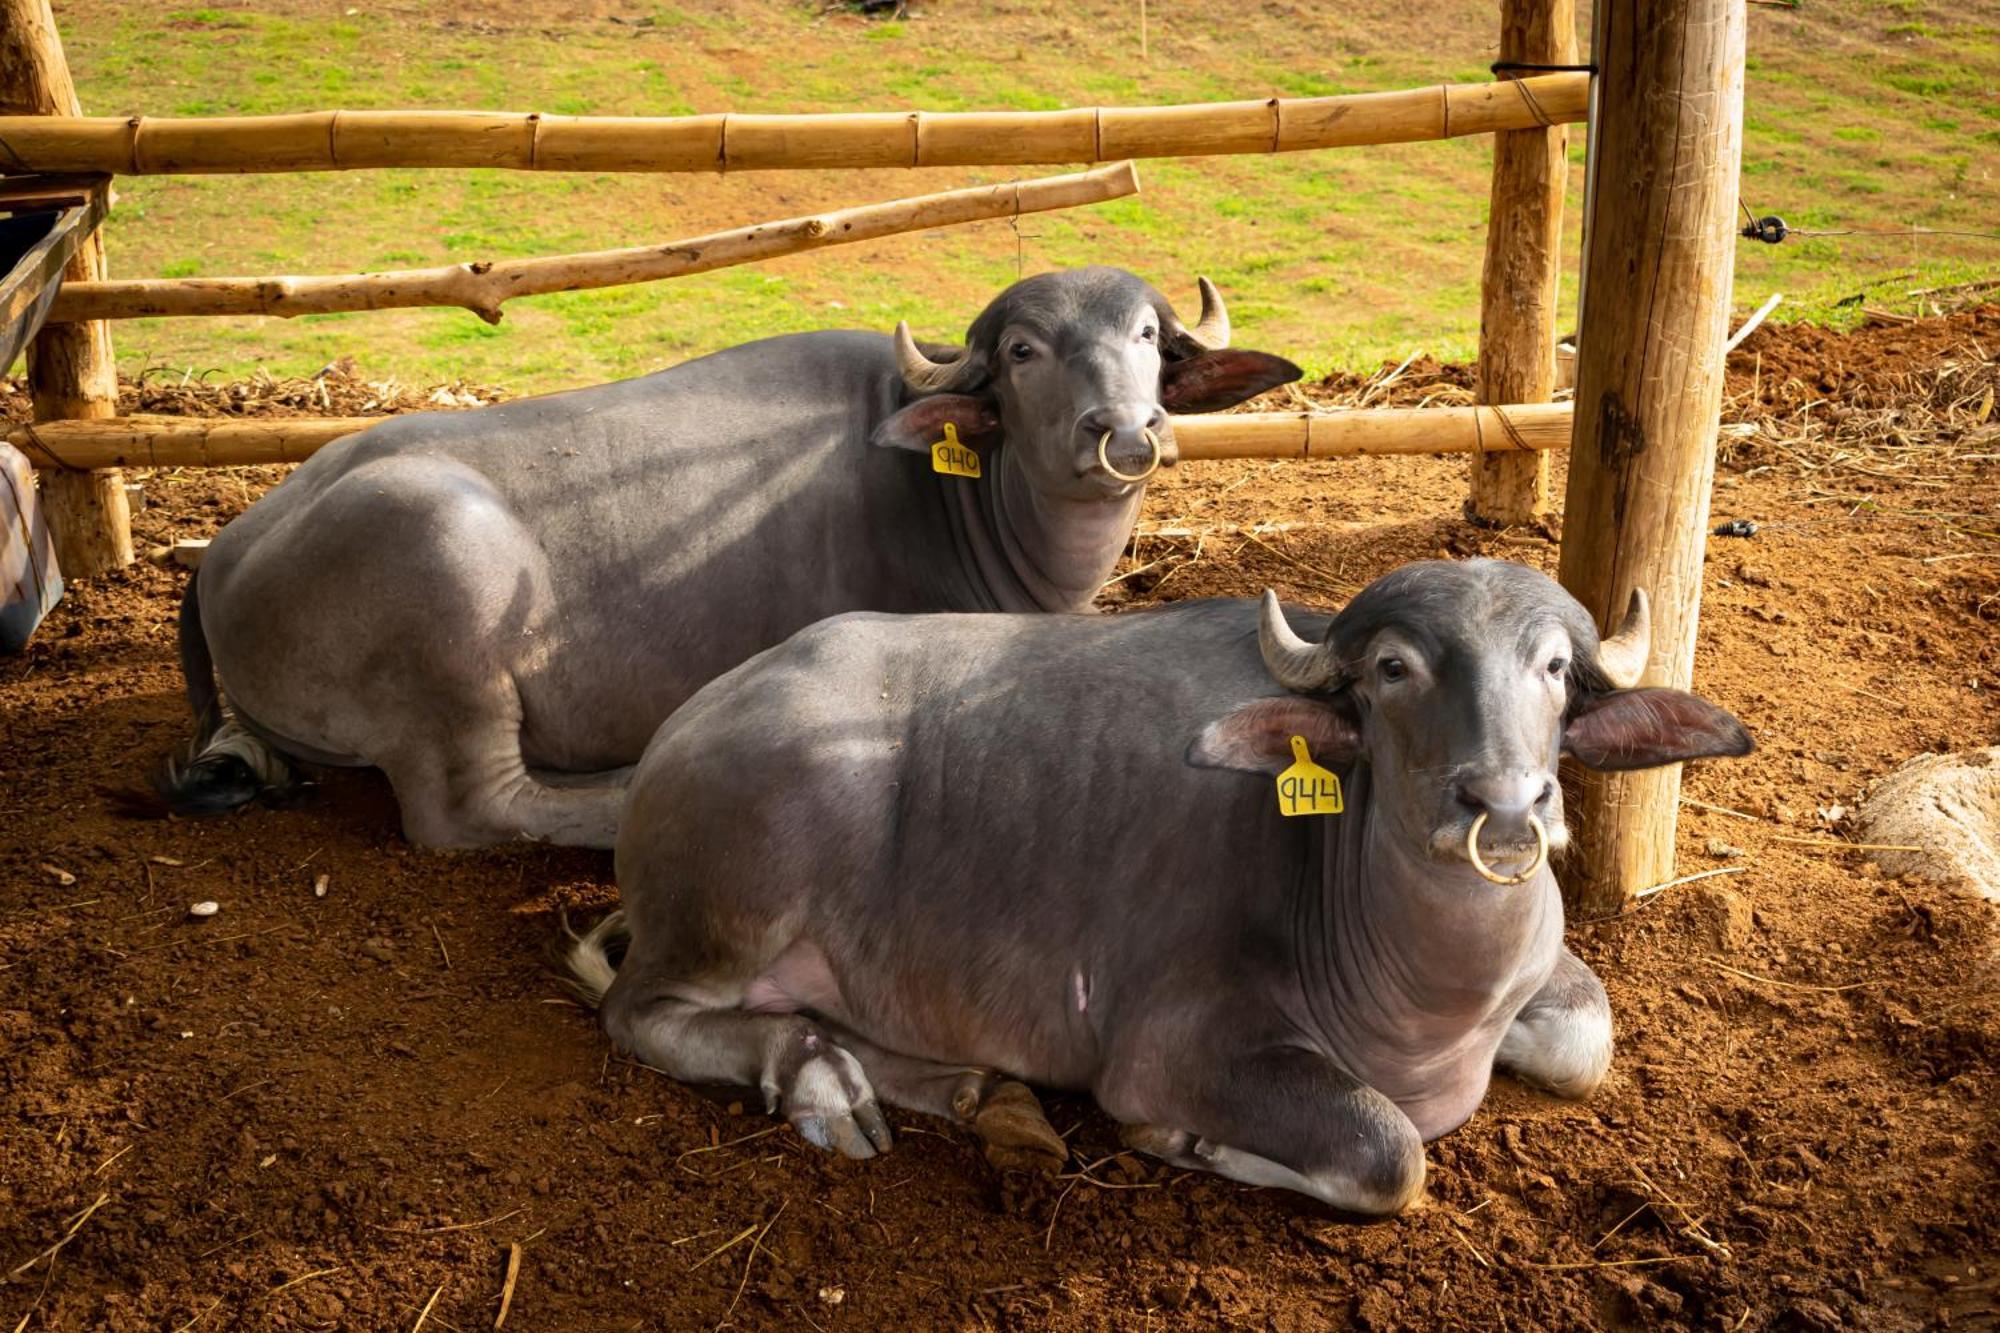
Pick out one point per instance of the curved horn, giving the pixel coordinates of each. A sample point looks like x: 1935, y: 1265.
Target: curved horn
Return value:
x: 1622, y: 657
x: 922, y: 374
x: 1292, y: 662
x: 1212, y: 332
x: 1209, y: 334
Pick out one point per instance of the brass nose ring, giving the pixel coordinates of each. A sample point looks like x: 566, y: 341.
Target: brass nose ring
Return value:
x: 1152, y: 465
x: 1488, y: 872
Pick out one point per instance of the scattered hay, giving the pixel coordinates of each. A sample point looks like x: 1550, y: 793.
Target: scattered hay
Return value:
x: 1943, y: 426
x: 1421, y: 380
x: 1907, y: 404
x: 336, y: 390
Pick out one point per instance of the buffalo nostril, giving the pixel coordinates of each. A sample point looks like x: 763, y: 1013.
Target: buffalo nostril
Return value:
x: 1124, y: 422
x: 1507, y: 800
x: 1125, y: 450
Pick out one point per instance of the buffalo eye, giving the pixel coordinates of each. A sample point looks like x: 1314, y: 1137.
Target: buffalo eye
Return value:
x: 1020, y: 352
x: 1393, y: 668
x: 1558, y: 665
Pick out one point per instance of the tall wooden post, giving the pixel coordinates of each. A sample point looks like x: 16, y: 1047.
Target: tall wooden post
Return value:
x: 1666, y: 142
x: 70, y: 370
x: 1517, y: 307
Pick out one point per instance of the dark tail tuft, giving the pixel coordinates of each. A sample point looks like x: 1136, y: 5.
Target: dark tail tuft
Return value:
x: 223, y: 767
x: 205, y: 784
x: 197, y: 664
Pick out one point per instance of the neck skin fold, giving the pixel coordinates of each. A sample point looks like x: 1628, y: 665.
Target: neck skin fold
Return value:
x: 1032, y: 552
x: 1411, y: 968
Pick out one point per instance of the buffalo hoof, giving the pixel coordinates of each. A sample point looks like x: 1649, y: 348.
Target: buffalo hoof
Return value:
x: 1016, y: 1135
x: 829, y: 1102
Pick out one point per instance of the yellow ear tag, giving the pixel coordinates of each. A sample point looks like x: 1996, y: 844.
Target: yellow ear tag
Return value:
x: 1307, y: 789
x: 952, y: 458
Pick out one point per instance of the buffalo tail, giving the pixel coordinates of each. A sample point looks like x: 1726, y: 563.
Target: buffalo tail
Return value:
x: 590, y: 961
x: 223, y: 766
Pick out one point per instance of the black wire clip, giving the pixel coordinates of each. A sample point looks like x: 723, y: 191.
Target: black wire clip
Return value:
x: 1770, y: 230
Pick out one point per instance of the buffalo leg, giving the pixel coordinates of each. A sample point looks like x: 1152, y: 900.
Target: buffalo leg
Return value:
x: 1001, y: 1111
x: 611, y: 779
x: 802, y: 1072
x: 395, y: 622
x: 1291, y: 1119
x: 466, y: 784
x: 1561, y: 1039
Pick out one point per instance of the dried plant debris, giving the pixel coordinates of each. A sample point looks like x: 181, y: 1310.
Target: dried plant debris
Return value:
x: 1912, y: 403
x: 336, y: 390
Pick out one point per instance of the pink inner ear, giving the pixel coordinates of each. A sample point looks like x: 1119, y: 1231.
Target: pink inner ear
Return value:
x: 1258, y: 736
x: 1215, y: 380
x: 922, y: 423
x: 1645, y: 728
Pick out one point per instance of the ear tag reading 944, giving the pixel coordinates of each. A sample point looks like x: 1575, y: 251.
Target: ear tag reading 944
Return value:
x: 1307, y: 789
x: 952, y: 458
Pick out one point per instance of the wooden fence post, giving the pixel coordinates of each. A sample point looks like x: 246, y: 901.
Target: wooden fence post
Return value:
x: 70, y: 370
x: 1666, y: 140
x: 1517, y: 295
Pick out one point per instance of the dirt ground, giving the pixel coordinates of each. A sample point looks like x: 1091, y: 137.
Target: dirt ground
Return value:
x: 312, y: 1112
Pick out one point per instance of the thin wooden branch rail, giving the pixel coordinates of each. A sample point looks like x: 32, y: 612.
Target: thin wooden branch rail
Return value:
x: 481, y: 287
x: 163, y: 441
x: 347, y: 140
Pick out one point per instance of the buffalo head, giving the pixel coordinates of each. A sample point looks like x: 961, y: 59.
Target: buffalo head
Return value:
x: 1078, y: 372
x: 1461, y: 684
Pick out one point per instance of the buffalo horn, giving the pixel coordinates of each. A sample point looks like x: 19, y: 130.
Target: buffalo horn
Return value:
x: 1292, y: 662
x: 1622, y: 657
x: 1212, y: 332
x: 922, y: 374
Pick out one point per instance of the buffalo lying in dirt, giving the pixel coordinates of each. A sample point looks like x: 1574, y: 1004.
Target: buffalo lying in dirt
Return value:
x: 498, y: 608
x: 913, y: 859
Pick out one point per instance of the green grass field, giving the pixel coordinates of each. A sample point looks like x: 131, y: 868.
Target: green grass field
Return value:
x: 1861, y: 114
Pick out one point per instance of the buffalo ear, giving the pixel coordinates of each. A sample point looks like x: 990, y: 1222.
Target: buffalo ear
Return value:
x: 1211, y: 381
x: 1628, y: 729
x: 921, y: 424
x: 1257, y: 738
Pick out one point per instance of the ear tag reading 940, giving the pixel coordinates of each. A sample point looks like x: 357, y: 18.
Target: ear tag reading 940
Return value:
x: 1307, y: 789
x: 952, y: 458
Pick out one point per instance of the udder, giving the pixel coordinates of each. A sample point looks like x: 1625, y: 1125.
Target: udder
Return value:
x: 800, y: 978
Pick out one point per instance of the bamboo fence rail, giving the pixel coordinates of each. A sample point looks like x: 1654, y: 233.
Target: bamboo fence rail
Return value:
x: 481, y: 287
x: 531, y: 141
x: 1361, y: 432
x: 164, y: 441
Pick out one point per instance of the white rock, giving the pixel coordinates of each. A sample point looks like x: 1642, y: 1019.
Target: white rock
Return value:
x: 205, y: 909
x: 1949, y: 805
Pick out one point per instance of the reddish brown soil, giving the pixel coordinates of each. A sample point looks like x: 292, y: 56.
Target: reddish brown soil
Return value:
x: 318, y: 1112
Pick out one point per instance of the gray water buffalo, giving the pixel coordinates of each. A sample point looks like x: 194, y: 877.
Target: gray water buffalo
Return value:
x: 912, y: 860
x: 498, y: 608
